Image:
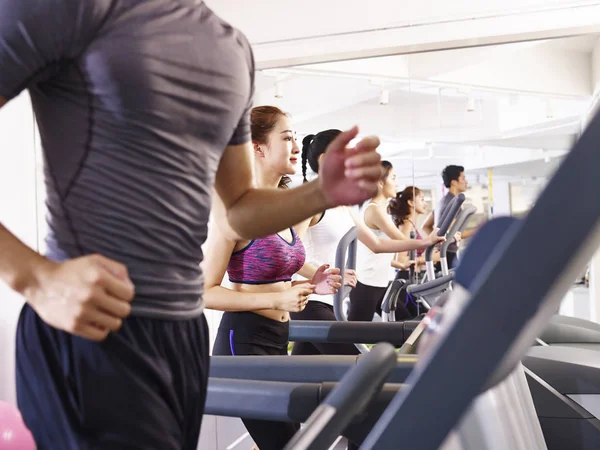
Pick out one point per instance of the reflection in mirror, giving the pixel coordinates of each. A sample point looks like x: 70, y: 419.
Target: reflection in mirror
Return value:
x: 512, y: 108
x: 505, y: 114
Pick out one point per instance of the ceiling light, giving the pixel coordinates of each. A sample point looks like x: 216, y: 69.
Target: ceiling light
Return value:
x: 470, y: 103
x: 384, y: 98
x: 278, y: 90
x: 549, y: 112
x: 546, y: 154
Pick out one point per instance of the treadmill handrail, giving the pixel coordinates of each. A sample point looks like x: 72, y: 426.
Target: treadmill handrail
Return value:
x: 390, y: 295
x: 357, y: 387
x: 347, y: 245
x: 448, y: 217
x: 299, y: 368
x: 412, y: 256
x: 430, y: 287
x: 445, y: 212
x: 459, y: 225
x: 347, y: 332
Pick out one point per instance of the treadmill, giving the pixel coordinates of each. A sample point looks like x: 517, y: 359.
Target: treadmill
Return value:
x: 425, y: 296
x: 361, y: 333
x: 461, y: 222
x: 565, y: 381
x: 499, y: 311
x: 446, y: 220
x: 563, y: 374
x: 292, y: 388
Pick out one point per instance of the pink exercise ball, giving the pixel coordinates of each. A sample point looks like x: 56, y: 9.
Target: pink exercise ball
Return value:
x: 14, y: 435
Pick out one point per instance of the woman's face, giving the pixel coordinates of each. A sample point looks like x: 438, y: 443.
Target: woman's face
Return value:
x: 388, y: 186
x: 420, y: 205
x: 281, y: 153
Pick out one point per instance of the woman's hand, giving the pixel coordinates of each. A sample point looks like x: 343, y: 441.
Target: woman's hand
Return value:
x: 458, y: 238
x: 434, y: 239
x: 404, y: 265
x: 295, y: 298
x: 350, y: 278
x: 326, y: 281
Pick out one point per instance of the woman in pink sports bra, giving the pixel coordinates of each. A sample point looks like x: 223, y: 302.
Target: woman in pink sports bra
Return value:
x: 258, y: 305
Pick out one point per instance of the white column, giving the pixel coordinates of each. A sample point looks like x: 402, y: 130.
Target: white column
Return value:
x: 438, y: 191
x: 18, y: 214
x: 501, y: 198
x: 594, y: 290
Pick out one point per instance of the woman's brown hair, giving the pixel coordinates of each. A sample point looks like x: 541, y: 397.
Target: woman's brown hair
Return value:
x: 399, y: 208
x: 262, y: 121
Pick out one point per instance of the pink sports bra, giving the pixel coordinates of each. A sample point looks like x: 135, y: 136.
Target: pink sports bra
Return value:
x: 418, y: 236
x: 267, y: 260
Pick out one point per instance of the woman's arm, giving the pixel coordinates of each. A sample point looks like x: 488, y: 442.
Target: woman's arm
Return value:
x: 435, y: 257
x: 398, y: 241
x: 307, y: 271
x: 428, y: 224
x: 401, y: 261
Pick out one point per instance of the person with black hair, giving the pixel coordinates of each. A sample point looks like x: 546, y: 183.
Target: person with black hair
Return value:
x: 456, y: 183
x: 257, y: 307
x: 143, y: 109
x: 321, y: 235
x: 405, y: 209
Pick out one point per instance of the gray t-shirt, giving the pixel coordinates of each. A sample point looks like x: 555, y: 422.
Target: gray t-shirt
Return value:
x: 135, y: 102
x: 444, y: 202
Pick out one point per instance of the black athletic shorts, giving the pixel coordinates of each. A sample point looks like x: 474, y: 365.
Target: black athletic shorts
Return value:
x: 144, y: 387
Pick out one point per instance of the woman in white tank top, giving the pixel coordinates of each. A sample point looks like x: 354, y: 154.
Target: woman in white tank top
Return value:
x: 374, y: 268
x: 321, y: 236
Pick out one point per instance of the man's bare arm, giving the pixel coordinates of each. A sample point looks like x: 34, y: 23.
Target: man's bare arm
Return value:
x: 468, y: 233
x: 18, y: 263
x: 254, y: 213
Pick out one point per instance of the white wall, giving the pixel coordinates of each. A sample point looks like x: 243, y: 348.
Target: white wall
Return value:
x: 501, y: 198
x: 596, y: 66
x: 540, y: 69
x: 595, y: 262
x: 537, y: 66
x: 17, y: 213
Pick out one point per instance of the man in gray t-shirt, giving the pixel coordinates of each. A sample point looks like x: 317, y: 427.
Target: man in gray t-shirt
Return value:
x: 143, y: 109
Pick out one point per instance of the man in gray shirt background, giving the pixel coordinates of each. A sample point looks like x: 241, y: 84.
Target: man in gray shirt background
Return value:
x: 142, y: 108
x: 456, y: 183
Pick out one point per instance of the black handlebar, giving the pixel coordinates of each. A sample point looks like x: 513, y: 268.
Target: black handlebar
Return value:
x: 459, y: 225
x: 347, y: 245
x: 430, y: 287
x: 412, y: 257
x: 448, y: 216
x: 352, y: 396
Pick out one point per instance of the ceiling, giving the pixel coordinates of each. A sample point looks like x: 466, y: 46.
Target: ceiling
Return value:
x: 514, y: 107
